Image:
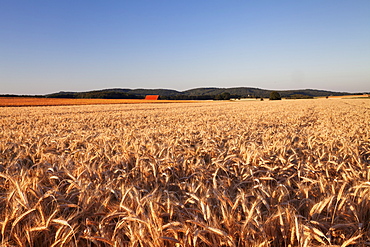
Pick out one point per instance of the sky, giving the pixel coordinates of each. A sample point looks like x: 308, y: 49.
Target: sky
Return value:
x: 50, y: 46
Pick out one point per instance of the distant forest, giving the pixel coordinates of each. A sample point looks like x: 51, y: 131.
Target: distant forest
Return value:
x: 192, y: 94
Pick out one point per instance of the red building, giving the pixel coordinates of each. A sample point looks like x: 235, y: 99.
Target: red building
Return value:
x: 152, y: 97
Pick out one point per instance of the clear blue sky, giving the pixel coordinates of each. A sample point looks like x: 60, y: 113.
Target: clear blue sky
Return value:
x: 64, y: 45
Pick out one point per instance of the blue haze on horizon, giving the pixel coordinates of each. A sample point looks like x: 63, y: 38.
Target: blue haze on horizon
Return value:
x: 51, y: 46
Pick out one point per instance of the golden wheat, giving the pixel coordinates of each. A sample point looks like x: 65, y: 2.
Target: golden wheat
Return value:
x: 32, y: 101
x: 287, y: 173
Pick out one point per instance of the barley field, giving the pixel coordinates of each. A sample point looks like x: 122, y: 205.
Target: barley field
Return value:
x: 251, y: 173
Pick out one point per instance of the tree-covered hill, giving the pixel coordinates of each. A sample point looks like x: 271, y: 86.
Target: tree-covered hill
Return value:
x: 195, y: 94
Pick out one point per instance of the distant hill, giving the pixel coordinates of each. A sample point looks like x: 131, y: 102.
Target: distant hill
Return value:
x: 196, y: 93
x: 245, y: 92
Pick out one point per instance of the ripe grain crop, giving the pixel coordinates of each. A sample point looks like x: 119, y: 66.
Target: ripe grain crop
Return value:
x: 30, y: 101
x: 262, y: 173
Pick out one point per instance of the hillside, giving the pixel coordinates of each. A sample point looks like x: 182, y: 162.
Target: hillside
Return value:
x: 192, y: 94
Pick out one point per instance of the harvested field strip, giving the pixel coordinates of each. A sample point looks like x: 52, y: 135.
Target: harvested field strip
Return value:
x: 350, y: 96
x: 286, y: 173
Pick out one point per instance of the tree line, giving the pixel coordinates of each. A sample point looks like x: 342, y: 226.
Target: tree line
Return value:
x: 106, y: 94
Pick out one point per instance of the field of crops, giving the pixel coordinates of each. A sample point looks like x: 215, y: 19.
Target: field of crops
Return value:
x: 247, y: 173
x: 30, y: 101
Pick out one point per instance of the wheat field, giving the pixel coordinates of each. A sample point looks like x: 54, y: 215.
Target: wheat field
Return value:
x: 33, y: 101
x: 255, y: 173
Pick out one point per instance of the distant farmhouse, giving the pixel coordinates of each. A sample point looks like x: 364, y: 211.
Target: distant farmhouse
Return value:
x: 152, y: 97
